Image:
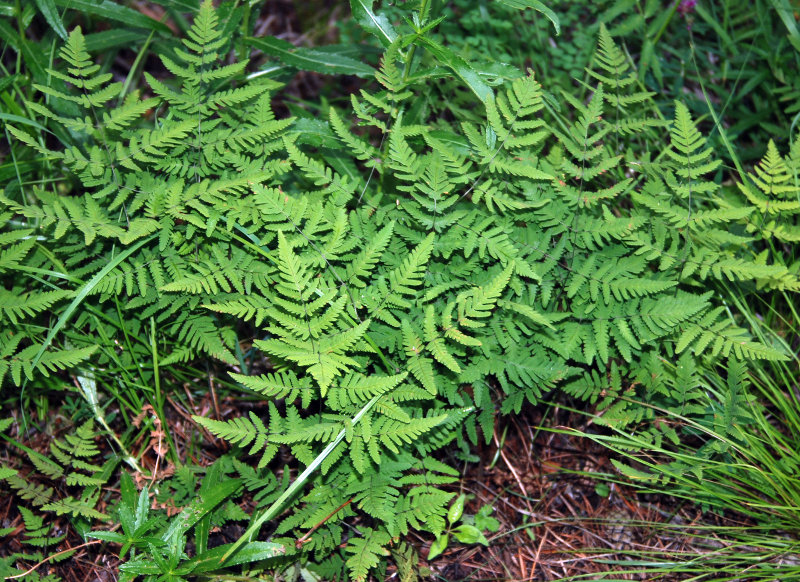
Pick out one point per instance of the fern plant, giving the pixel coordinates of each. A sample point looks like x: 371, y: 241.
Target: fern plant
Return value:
x: 771, y: 190
x: 72, y: 465
x: 407, y: 273
x: 71, y: 468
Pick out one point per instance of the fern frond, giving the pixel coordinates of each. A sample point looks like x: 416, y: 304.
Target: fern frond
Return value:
x: 15, y: 306
x: 409, y: 274
x: 688, y: 147
x: 75, y: 508
x: 367, y: 551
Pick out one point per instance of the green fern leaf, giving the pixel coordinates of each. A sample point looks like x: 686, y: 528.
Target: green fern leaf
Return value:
x: 367, y: 552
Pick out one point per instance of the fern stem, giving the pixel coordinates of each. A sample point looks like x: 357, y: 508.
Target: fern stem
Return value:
x: 424, y: 8
x: 409, y: 59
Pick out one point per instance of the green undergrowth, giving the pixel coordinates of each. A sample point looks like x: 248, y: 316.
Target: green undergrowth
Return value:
x: 742, y: 57
x: 386, y: 275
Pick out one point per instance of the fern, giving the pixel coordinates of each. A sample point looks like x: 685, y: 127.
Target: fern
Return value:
x: 366, y: 552
x: 71, y: 467
x: 614, y: 71
x: 413, y: 267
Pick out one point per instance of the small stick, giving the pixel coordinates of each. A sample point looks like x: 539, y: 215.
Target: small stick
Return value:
x: 299, y: 543
x: 48, y: 558
x: 513, y: 472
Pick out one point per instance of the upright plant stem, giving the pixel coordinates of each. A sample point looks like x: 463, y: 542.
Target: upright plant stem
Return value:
x: 423, y: 13
x: 159, y: 397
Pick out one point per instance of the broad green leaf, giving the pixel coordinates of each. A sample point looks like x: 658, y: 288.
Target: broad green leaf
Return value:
x: 457, y: 509
x: 50, y: 13
x: 192, y: 6
x: 469, y: 534
x: 306, y: 59
x: 484, y: 519
x: 22, y: 120
x: 459, y: 66
x: 252, y: 552
x: 114, y: 11
x: 377, y: 24
x: 127, y: 490
x: 452, y: 140
x: 97, y: 42
x: 201, y: 505
x: 539, y: 7
x: 141, y: 566
x: 438, y: 546
x: 108, y: 536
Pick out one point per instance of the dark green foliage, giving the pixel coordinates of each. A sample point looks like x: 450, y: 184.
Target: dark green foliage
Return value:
x: 476, y: 254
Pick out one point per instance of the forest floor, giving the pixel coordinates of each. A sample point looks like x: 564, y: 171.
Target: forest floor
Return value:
x: 560, y: 517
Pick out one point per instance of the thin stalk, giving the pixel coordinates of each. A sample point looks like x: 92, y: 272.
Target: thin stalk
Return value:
x: 424, y: 8
x: 159, y: 397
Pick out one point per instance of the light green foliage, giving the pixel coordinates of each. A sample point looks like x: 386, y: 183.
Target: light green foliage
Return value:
x: 467, y: 529
x: 435, y: 272
x: 69, y: 481
x: 771, y: 192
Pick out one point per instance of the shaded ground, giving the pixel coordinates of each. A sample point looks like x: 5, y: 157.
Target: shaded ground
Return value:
x: 559, y: 516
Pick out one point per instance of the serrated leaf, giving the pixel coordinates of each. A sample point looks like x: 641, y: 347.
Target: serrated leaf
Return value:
x: 50, y: 13
x: 327, y: 62
x: 539, y: 7
x: 376, y: 24
x: 460, y: 67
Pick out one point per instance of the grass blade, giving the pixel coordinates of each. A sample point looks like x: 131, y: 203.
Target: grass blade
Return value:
x: 50, y: 13
x: 82, y: 293
x: 329, y: 63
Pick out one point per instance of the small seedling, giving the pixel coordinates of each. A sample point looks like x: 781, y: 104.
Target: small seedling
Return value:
x: 469, y: 529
